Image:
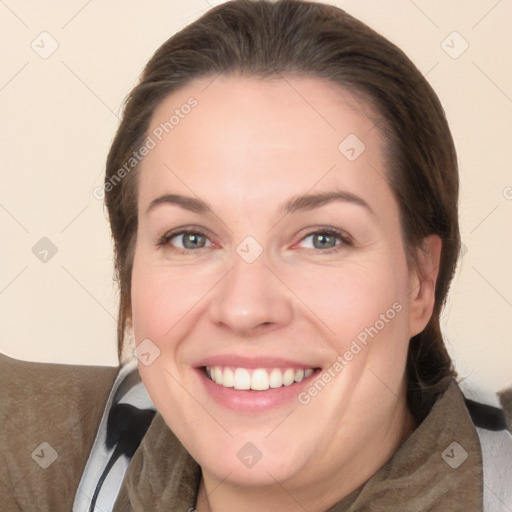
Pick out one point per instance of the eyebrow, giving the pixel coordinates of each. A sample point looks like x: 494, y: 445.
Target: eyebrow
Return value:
x: 296, y: 203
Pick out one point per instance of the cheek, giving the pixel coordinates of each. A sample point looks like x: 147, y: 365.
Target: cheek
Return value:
x: 150, y: 311
x: 161, y: 299
x: 351, y: 299
x: 367, y: 319
x: 150, y: 299
x: 164, y: 298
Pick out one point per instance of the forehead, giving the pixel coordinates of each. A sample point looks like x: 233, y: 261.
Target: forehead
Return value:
x: 239, y: 138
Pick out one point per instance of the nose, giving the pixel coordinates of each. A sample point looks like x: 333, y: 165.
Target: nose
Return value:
x: 251, y: 299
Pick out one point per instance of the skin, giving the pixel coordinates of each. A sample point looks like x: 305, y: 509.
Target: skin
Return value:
x: 246, y: 148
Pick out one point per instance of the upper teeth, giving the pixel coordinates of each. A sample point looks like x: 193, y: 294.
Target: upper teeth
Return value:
x: 259, y: 379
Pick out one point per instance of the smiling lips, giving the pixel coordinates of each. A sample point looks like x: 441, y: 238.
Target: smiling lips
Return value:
x: 257, y: 379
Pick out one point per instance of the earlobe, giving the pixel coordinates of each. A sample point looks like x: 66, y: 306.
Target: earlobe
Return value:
x: 129, y: 324
x: 423, y: 284
x: 128, y: 320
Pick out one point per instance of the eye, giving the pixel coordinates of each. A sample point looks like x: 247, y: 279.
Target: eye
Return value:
x: 185, y: 240
x: 328, y: 240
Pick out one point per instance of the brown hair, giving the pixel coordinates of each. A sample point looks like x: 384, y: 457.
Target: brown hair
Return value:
x: 294, y: 37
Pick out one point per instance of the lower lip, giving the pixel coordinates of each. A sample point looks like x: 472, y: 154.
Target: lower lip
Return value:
x: 250, y: 401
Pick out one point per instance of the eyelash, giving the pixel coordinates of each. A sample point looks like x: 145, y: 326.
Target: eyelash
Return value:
x: 346, y: 240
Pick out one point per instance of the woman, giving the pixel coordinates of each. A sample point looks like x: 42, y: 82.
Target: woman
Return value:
x: 282, y: 193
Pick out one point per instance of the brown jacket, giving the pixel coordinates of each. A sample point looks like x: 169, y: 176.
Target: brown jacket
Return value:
x: 62, y: 405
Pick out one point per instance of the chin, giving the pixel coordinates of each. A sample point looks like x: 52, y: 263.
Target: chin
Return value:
x: 251, y: 463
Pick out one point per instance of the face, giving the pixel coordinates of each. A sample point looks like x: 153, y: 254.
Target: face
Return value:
x: 269, y: 256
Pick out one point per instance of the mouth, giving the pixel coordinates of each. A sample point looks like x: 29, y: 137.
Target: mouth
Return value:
x: 254, y: 385
x: 256, y: 379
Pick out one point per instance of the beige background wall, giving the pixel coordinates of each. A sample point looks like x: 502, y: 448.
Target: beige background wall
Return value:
x: 59, y: 112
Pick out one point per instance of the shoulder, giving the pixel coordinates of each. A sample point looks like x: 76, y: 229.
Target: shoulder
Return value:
x: 38, y: 394
x: 495, y: 437
x: 49, y: 418
x: 54, y: 374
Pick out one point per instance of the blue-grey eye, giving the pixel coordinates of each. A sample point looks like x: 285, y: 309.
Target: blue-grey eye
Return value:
x: 322, y: 240
x: 189, y: 240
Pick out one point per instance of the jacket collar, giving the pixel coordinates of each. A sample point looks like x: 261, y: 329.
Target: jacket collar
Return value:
x: 437, y: 468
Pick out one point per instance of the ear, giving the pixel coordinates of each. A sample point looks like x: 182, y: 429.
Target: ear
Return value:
x: 423, y: 284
